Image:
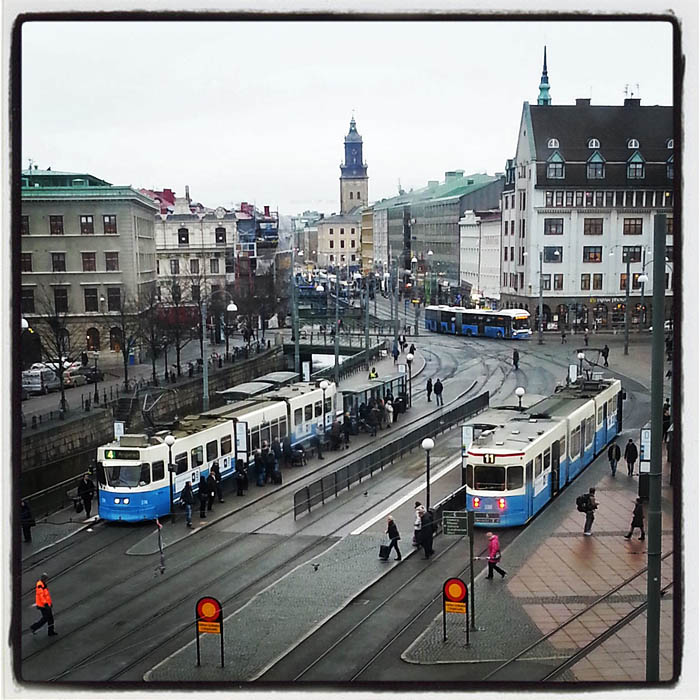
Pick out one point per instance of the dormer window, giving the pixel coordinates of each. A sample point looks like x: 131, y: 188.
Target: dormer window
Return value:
x: 593, y: 143
x: 595, y: 167
x: 553, y: 143
x: 633, y: 143
x: 669, y: 143
x: 555, y: 166
x: 635, y: 167
x: 669, y: 168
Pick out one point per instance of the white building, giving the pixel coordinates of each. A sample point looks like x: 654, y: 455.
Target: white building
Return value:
x: 480, y: 256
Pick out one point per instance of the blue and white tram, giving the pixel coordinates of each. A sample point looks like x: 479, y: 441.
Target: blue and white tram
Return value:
x: 519, y: 461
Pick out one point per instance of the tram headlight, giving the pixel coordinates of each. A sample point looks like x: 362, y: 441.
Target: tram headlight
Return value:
x: 501, y: 503
x: 476, y: 502
x: 126, y: 501
x: 117, y: 501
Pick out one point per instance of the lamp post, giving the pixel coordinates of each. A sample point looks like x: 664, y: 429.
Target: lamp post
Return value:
x: 96, y: 395
x: 324, y: 385
x: 520, y: 392
x: 540, y: 340
x: 170, y: 441
x: 367, y: 312
x: 427, y: 445
x: 581, y: 357
x: 644, y: 279
x: 321, y: 289
x: 627, y: 295
x: 409, y: 360
x: 336, y: 346
x: 230, y: 308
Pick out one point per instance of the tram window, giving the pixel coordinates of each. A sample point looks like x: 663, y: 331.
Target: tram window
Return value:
x: 538, y: 465
x: 611, y: 407
x: 328, y: 406
x: 562, y: 448
x: 145, y: 476
x: 181, y: 463
x: 308, y: 412
x: 297, y: 416
x: 528, y: 470
x: 197, y: 454
x: 274, y: 430
x: 158, y: 470
x: 515, y: 478
x: 254, y: 439
x: 318, y: 409
x: 489, y: 478
x: 101, y: 474
x: 589, y: 431
x: 600, y: 415
x: 575, y: 443
x: 470, y: 475
x: 265, y: 433
x: 547, y: 459
x: 283, y: 427
x: 225, y: 445
x: 212, y: 450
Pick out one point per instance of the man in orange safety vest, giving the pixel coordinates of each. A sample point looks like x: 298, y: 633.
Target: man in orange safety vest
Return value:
x: 43, y: 602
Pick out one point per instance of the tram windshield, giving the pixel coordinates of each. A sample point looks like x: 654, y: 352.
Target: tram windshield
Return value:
x: 129, y: 475
x: 521, y: 323
x: 489, y: 478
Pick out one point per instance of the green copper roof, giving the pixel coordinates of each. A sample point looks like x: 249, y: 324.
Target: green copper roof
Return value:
x: 88, y: 192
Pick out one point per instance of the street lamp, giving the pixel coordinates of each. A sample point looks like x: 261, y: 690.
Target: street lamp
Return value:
x: 96, y: 397
x: 581, y: 357
x: 520, y: 392
x: 627, y: 295
x: 324, y: 385
x: 427, y: 445
x: 409, y: 359
x: 229, y: 309
x: 644, y: 279
x: 336, y: 366
x: 429, y: 296
x: 170, y: 441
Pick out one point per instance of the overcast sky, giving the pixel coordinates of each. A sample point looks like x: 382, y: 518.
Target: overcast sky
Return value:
x: 257, y: 111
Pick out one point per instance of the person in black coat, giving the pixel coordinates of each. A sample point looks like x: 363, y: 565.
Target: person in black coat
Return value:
x: 277, y: 450
x: 241, y: 478
x: 86, y: 490
x: 269, y: 459
x: 666, y: 420
x: 347, y: 429
x: 211, y: 490
x: 217, y: 476
x: 393, y: 534
x: 202, y: 494
x: 613, y: 457
x: 26, y: 520
x: 637, y: 519
x: 429, y: 387
x: 516, y: 359
x: 631, y: 454
x: 426, y: 535
x: 259, y: 467
x: 187, y: 497
x: 438, y: 392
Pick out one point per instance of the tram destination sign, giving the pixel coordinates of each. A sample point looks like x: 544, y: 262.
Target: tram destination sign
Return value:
x: 455, y: 522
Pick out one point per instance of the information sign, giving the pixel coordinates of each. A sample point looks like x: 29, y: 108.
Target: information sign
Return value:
x: 454, y: 600
x: 645, y: 445
x: 118, y: 429
x: 455, y: 522
x: 209, y: 618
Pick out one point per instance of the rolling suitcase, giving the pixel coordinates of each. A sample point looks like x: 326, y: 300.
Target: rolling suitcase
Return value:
x: 384, y: 551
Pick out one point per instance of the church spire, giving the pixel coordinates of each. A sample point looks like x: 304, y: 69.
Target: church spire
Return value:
x: 544, y: 98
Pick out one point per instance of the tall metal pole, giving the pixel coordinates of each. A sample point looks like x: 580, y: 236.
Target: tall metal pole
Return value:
x: 539, y: 316
x: 336, y: 367
x: 654, y: 512
x: 642, y: 314
x: 396, y: 301
x: 295, y: 319
x: 627, y: 307
x: 427, y: 479
x: 367, y: 312
x: 205, y: 363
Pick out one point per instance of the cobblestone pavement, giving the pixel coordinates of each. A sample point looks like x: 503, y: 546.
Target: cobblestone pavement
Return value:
x: 282, y: 615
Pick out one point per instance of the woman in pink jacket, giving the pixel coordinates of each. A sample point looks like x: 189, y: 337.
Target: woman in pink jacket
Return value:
x: 494, y: 555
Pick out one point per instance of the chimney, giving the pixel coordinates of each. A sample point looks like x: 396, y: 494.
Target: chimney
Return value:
x: 633, y: 101
x: 267, y: 210
x: 583, y: 101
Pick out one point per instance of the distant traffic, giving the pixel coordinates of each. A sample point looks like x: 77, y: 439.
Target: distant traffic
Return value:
x: 482, y: 323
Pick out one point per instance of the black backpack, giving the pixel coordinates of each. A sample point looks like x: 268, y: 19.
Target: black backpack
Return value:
x: 582, y: 502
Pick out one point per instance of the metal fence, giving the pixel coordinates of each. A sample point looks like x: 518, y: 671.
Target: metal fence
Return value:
x: 351, y: 364
x: 331, y: 485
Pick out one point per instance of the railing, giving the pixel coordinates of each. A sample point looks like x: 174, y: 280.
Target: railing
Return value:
x: 55, y: 497
x: 364, y: 466
x: 352, y: 364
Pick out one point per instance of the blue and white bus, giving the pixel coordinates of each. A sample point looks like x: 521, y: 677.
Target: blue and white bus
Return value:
x: 482, y: 323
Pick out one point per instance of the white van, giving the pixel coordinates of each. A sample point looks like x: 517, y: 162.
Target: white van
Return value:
x: 40, y: 381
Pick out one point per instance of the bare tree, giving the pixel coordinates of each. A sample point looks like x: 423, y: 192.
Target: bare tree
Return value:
x: 178, y: 314
x: 126, y: 320
x: 54, y: 327
x: 151, y: 330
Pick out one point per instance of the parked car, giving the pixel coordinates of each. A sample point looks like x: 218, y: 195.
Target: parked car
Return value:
x: 91, y: 374
x: 72, y: 377
x: 40, y: 381
x: 67, y: 365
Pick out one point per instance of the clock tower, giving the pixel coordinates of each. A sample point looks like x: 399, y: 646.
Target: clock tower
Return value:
x: 353, y: 173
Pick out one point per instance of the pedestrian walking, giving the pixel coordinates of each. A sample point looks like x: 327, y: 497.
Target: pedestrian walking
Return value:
x: 494, y: 555
x: 393, y: 534
x: 637, y: 519
x: 373, y: 419
x: 412, y: 349
x: 317, y: 441
x: 269, y: 459
x: 373, y: 373
x: 202, y: 495
x: 516, y: 359
x: 42, y: 601
x: 589, y: 505
x: 417, y: 524
x: 86, y: 490
x: 666, y: 420
x: 438, y: 393
x: 613, y: 457
x: 389, y: 413
x: 429, y: 387
x: 427, y: 532
x: 605, y: 352
x: 259, y: 468
x: 187, y: 498
x: 211, y: 490
x: 631, y: 454
x: 563, y: 336
x: 403, y: 343
x: 347, y: 429
x: 26, y: 520
x: 241, y: 478
x: 396, y: 354
x: 585, y: 336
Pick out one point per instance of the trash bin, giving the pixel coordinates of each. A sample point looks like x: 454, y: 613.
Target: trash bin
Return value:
x: 132, y: 358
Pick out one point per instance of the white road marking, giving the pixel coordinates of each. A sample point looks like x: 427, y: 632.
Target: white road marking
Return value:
x: 408, y: 496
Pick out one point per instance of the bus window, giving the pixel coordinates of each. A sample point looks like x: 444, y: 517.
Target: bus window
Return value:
x: 538, y: 465
x: 547, y: 459
x: 318, y: 409
x: 181, y: 463
x: 308, y: 412
x: 158, y: 470
x: 470, y: 475
x: 212, y: 450
x: 515, y: 478
x: 145, y: 476
x: 489, y: 478
x: 297, y: 416
x: 197, y: 454
x: 225, y: 445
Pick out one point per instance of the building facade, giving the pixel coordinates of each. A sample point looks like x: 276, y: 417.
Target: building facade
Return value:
x: 367, y: 241
x: 582, y: 193
x: 88, y: 250
x: 339, y: 241
x: 480, y: 256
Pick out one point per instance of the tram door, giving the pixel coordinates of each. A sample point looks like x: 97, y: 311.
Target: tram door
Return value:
x: 555, y: 468
x: 529, y: 490
x: 605, y: 424
x: 584, y: 439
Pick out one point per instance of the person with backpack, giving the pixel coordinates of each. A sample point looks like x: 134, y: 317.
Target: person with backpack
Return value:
x: 187, y: 499
x: 613, y: 457
x: 516, y: 359
x: 587, y: 504
x: 631, y: 454
x: 637, y: 520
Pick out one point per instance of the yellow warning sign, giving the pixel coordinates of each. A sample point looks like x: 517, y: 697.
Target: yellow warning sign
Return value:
x: 209, y: 627
x: 452, y: 607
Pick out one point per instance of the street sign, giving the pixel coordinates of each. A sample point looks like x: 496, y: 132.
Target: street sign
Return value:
x: 467, y: 438
x: 209, y: 619
x: 455, y: 522
x: 645, y: 445
x: 454, y: 600
x: 118, y: 429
